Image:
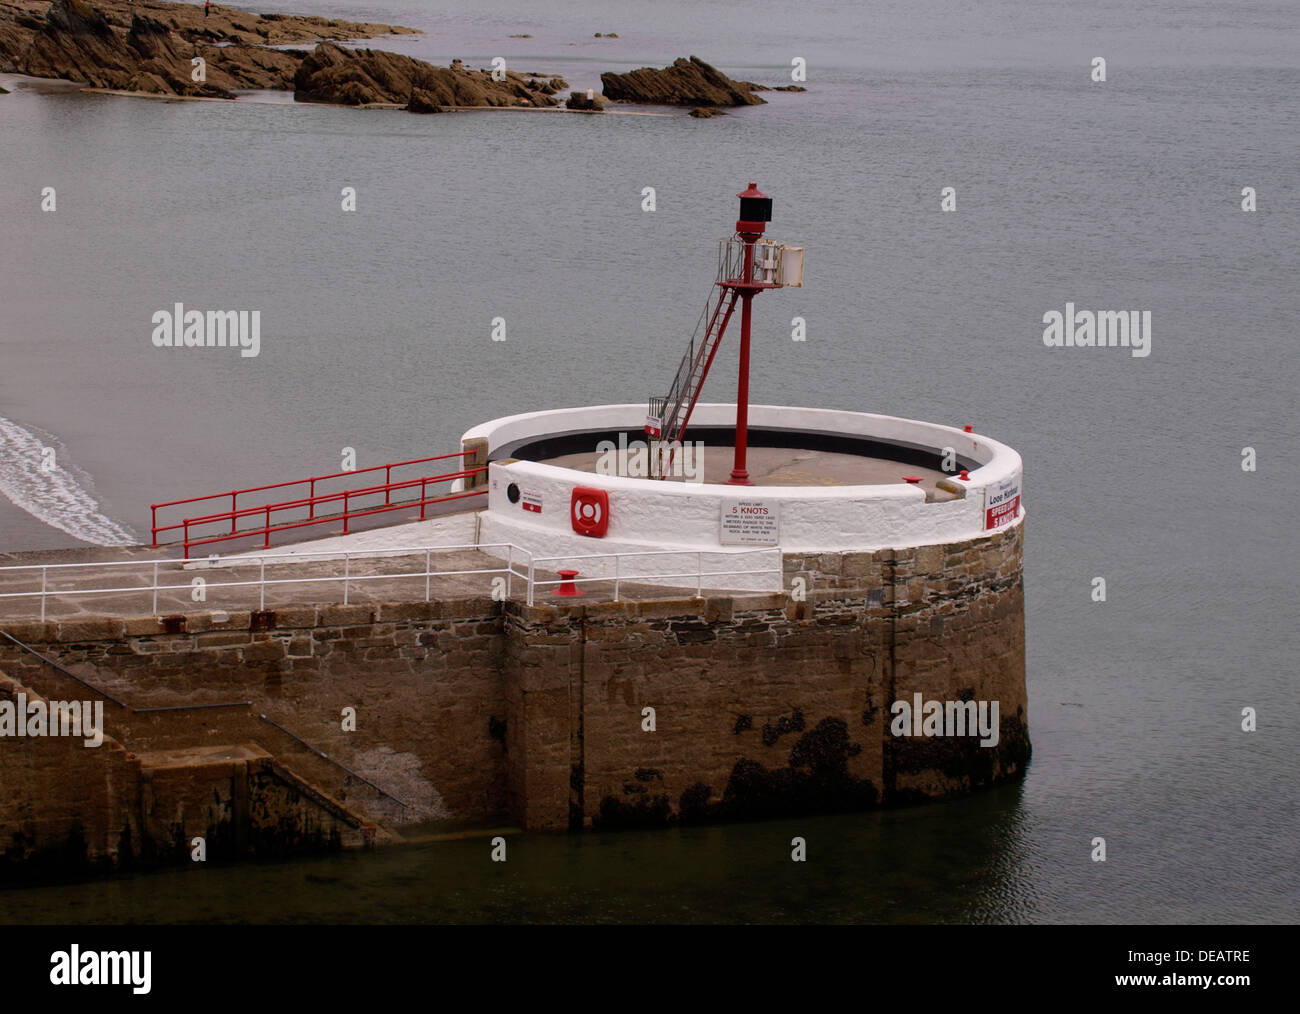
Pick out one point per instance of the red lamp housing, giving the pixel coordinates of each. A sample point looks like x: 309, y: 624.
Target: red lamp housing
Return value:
x: 755, y: 211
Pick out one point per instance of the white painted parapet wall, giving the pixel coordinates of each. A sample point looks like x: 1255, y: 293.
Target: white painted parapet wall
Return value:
x: 650, y: 514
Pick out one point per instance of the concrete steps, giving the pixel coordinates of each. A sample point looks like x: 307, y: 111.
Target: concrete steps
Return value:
x: 211, y: 748
x: 240, y: 799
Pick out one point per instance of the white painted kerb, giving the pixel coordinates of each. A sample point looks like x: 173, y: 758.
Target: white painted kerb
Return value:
x: 652, y: 514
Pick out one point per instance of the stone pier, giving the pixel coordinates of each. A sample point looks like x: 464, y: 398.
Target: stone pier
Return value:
x: 474, y: 710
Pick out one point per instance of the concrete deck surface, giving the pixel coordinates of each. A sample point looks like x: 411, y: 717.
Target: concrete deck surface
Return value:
x: 783, y: 466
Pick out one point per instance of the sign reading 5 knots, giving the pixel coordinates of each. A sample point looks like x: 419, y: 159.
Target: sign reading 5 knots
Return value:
x: 749, y: 523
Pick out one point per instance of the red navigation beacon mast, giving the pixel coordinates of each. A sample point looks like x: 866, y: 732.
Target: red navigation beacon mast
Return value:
x: 755, y: 213
x: 747, y: 264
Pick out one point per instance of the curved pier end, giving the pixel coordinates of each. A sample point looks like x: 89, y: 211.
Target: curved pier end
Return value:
x: 870, y: 650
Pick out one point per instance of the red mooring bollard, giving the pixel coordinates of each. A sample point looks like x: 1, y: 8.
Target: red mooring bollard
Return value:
x: 912, y: 479
x: 969, y: 428
x: 567, y: 587
x: 964, y: 477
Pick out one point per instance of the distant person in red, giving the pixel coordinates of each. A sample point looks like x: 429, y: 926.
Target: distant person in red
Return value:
x: 207, y: 7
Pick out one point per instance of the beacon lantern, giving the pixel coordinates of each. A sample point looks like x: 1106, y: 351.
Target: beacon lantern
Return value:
x: 755, y: 211
x: 589, y: 511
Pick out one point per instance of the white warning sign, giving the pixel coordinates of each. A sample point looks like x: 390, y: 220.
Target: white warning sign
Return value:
x: 750, y: 523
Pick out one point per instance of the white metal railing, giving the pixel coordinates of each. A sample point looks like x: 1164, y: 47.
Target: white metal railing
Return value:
x: 774, y: 263
x: 511, y: 569
x: 695, y: 576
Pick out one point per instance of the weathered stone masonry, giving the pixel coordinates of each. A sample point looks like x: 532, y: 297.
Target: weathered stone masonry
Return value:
x: 475, y: 709
x: 765, y: 705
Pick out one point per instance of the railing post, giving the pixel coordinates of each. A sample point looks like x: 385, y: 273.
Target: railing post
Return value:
x: 616, y: 562
x: 428, y: 553
x: 234, y: 496
x: 388, y: 482
x: 311, y: 500
x: 261, y: 585
x: 510, y: 566
x: 347, y: 568
x: 153, y: 523
x: 42, y: 594
x: 185, y: 545
x: 345, y: 512
x: 155, y: 587
x: 423, y: 494
x: 699, y: 575
x: 530, y: 579
x: 266, y: 542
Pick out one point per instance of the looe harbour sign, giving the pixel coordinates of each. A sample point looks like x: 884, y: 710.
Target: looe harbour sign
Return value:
x: 1002, y: 503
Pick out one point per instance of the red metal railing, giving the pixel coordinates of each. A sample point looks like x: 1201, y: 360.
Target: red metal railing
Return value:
x: 312, y: 500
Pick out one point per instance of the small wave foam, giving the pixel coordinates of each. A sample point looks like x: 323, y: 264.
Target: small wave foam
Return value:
x: 58, y: 497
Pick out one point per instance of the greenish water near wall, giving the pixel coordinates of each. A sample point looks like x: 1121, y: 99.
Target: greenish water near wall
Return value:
x: 874, y: 867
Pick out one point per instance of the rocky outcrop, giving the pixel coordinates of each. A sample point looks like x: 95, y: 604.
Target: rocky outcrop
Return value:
x: 223, y: 24
x: 686, y: 83
x: 77, y: 42
x: 149, y: 47
x: 358, y: 77
x: 580, y: 102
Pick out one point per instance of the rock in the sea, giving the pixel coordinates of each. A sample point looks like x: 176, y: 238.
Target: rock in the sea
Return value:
x: 704, y: 112
x: 686, y: 83
x: 579, y: 101
x: 357, y: 77
x: 76, y: 42
x: 148, y: 47
x: 544, y: 84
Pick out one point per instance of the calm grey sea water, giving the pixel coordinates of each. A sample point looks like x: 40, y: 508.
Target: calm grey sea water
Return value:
x: 375, y: 335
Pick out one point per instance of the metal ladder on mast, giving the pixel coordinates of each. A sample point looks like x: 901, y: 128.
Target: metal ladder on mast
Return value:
x: 674, y: 409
